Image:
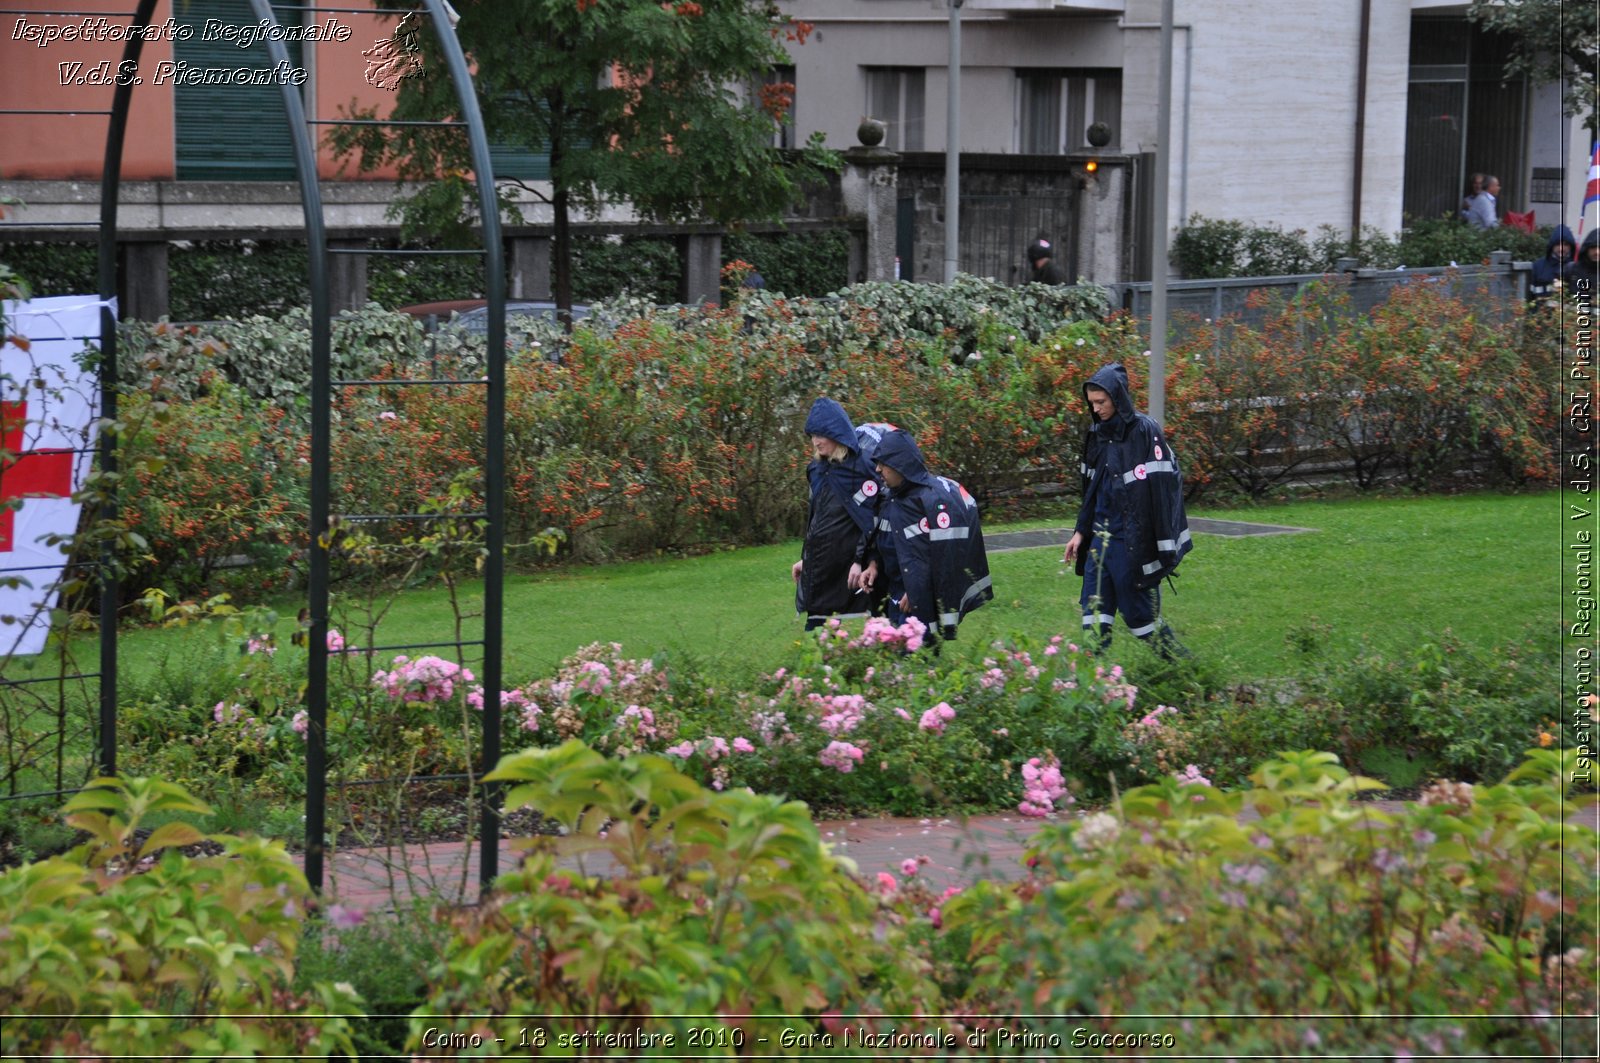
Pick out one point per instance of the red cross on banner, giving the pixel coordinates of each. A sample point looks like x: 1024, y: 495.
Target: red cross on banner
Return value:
x: 36, y: 474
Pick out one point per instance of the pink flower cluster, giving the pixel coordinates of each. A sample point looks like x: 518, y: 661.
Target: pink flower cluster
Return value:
x: 301, y: 723
x: 1191, y: 776
x: 231, y: 714
x: 424, y: 680
x: 711, y: 748
x: 841, y: 756
x: 880, y: 631
x: 637, y: 719
x: 1153, y: 717
x: 935, y: 718
x: 593, y: 678
x: 840, y: 713
x: 1056, y: 642
x: 619, y: 704
x: 936, y: 913
x: 510, y: 700
x: 1042, y: 788
x: 1115, y: 688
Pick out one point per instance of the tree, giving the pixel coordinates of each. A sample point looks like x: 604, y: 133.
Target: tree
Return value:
x: 1552, y: 40
x: 634, y: 100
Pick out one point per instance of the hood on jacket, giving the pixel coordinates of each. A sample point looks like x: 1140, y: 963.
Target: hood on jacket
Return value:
x: 1113, y: 380
x: 1562, y: 235
x: 900, y: 452
x: 1591, y: 240
x: 828, y: 419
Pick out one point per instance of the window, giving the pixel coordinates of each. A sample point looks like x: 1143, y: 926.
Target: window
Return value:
x: 229, y: 132
x: 895, y: 96
x: 1056, y: 107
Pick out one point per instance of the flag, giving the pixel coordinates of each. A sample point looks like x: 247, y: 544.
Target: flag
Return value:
x: 1591, y: 192
x: 49, y: 401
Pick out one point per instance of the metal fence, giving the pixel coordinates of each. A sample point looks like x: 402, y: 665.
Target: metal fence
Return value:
x: 1495, y: 287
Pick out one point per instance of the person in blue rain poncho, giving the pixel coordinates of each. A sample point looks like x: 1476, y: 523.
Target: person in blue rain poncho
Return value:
x: 1131, y: 530
x: 938, y: 540
x: 838, y: 573
x: 1559, y: 254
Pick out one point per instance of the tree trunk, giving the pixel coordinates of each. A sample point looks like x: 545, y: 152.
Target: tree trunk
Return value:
x: 561, y: 251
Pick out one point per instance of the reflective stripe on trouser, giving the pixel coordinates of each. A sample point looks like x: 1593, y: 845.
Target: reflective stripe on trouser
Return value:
x: 1108, y: 588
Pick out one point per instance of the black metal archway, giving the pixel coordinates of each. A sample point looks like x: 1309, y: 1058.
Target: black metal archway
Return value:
x: 324, y: 387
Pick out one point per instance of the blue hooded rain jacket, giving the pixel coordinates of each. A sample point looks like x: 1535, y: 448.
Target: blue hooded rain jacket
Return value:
x: 937, y: 538
x: 845, y: 499
x: 1131, y: 476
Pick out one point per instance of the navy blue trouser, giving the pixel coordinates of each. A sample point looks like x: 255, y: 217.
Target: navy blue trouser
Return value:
x: 1108, y: 588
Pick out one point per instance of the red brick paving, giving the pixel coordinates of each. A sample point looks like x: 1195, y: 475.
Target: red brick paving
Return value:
x: 959, y: 851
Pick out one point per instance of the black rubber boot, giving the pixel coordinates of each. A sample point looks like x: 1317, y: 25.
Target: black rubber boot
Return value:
x: 1166, y: 644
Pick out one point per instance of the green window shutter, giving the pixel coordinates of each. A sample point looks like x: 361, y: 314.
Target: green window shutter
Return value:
x: 518, y: 162
x: 230, y: 132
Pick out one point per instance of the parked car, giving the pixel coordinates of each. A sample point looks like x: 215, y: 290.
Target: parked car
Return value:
x: 472, y: 315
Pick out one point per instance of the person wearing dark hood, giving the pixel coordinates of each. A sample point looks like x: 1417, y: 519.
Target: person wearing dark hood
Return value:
x: 1131, y: 530
x: 1042, y: 260
x: 868, y: 436
x: 938, y: 539
x: 837, y: 574
x: 1583, y: 273
x: 1557, y: 256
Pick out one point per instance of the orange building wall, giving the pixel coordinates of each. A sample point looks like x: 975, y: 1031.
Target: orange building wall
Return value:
x: 341, y: 86
x: 53, y: 147
x: 47, y: 147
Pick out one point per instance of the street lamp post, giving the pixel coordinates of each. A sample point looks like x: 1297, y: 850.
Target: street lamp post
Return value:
x: 1158, y: 241
x: 952, y: 149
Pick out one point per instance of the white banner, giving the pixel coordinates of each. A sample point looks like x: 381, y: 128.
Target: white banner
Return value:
x: 48, y: 406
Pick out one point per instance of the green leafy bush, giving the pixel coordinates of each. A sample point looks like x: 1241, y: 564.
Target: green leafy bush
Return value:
x: 1214, y: 247
x: 1173, y: 919
x: 861, y: 722
x: 717, y: 903
x: 955, y: 317
x: 1435, y: 710
x: 797, y: 264
x: 268, y: 358
x: 1428, y: 387
x: 673, y: 429
x: 202, y: 530
x: 125, y: 947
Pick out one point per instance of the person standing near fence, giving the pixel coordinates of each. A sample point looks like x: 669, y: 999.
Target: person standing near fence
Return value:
x: 837, y: 574
x: 1131, y: 531
x: 1557, y: 257
x: 1583, y: 272
x: 1483, y: 210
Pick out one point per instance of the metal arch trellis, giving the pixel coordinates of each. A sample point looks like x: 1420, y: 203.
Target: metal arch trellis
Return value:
x: 322, y: 384
x: 107, y: 278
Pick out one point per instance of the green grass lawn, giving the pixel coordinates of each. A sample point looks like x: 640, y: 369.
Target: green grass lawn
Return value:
x: 1392, y: 570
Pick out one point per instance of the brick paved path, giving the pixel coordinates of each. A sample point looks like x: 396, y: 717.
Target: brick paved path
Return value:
x: 960, y: 852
